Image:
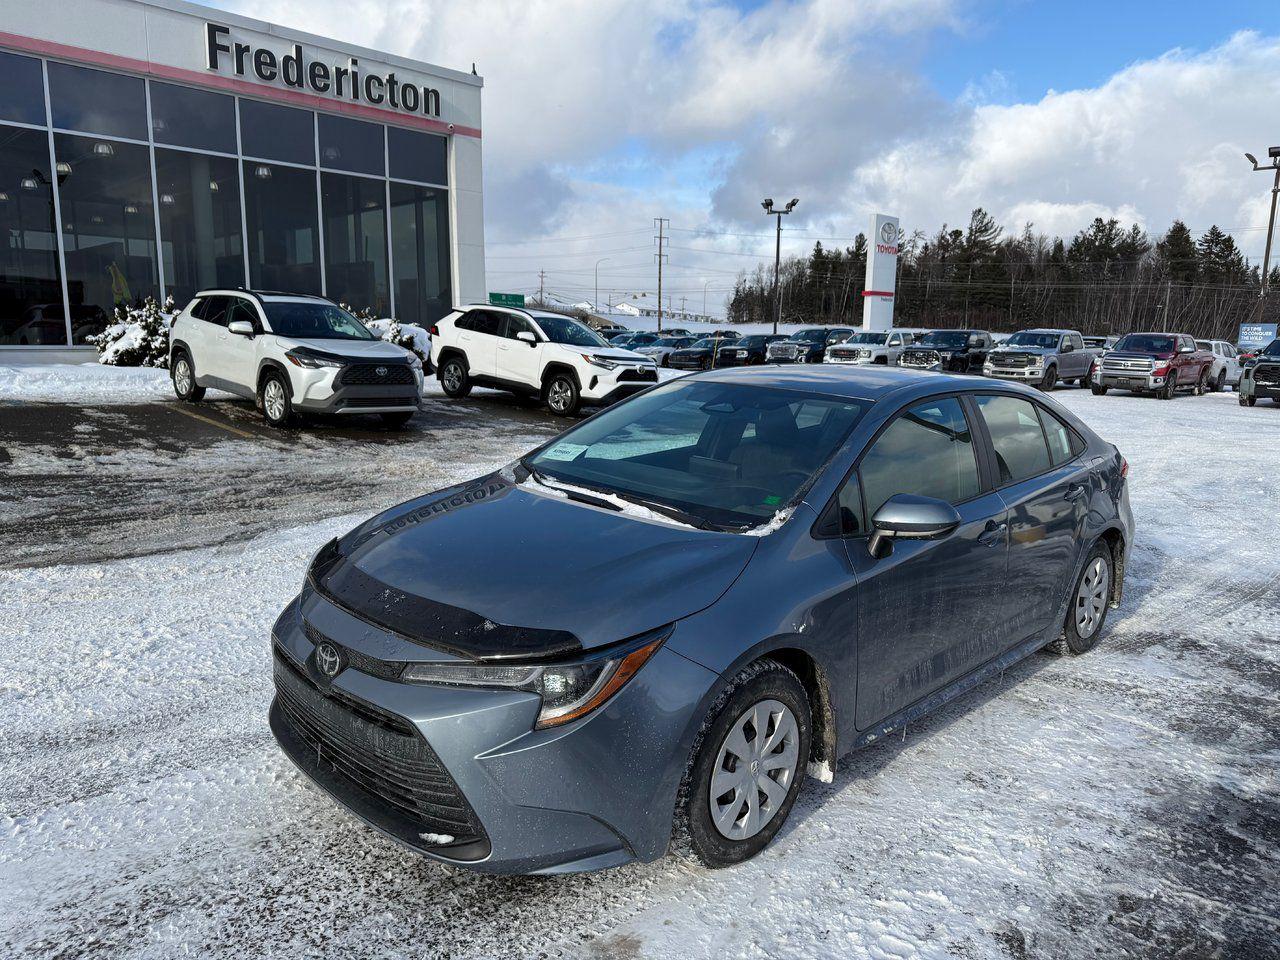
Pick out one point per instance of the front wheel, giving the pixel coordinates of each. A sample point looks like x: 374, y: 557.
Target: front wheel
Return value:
x: 562, y: 395
x: 1087, y: 611
x: 1202, y: 384
x: 184, y: 380
x: 274, y: 399
x: 1049, y: 380
x: 1220, y: 383
x: 747, y: 766
x: 1247, y: 401
x: 1099, y: 391
x: 1170, y: 387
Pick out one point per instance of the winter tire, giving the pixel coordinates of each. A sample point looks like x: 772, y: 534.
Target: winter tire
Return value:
x: 184, y: 379
x: 274, y: 400
x: 1170, y: 387
x: 562, y: 395
x: 1090, y: 600
x: 1247, y: 401
x: 1220, y: 384
x: 1049, y: 380
x: 455, y: 381
x: 747, y: 766
x: 1099, y: 391
x: 1202, y: 384
x: 395, y: 421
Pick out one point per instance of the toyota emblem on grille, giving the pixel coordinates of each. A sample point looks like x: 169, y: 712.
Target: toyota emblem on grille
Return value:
x: 328, y: 659
x: 381, y: 371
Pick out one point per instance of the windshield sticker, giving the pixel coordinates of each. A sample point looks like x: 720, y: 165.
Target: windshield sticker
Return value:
x: 772, y: 501
x: 565, y: 451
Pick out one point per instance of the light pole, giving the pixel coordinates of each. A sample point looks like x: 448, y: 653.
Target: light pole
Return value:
x: 595, y: 304
x: 704, y: 298
x: 1274, y: 155
x: 769, y: 211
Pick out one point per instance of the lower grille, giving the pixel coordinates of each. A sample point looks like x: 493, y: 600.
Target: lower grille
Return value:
x: 920, y: 358
x: 638, y: 376
x: 405, y: 401
x: 366, y: 374
x: 398, y: 768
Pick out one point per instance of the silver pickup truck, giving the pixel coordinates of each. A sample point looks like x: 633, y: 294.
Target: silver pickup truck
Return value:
x: 1042, y: 357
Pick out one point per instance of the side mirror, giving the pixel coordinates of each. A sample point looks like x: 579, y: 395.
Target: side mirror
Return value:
x: 528, y: 337
x: 1186, y: 349
x: 1066, y: 348
x: 241, y: 328
x: 907, y: 516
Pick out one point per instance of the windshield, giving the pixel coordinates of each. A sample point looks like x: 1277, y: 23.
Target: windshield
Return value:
x: 310, y: 320
x: 730, y: 454
x: 1147, y: 343
x: 1045, y: 341
x: 1273, y: 349
x: 706, y: 344
x: 569, y: 331
x: 751, y: 342
x: 669, y: 342
x: 867, y: 337
x: 944, y: 338
x: 818, y: 333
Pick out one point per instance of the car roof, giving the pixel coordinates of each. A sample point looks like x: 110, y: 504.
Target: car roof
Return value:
x: 871, y: 383
x: 272, y: 295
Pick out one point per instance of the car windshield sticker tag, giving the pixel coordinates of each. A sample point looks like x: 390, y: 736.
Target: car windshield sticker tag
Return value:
x: 772, y: 501
x: 565, y: 451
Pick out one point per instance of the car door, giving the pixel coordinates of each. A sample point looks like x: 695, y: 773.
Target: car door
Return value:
x: 478, y: 337
x: 518, y: 360
x: 212, y: 325
x: 1077, y: 361
x: 925, y: 610
x: 236, y: 357
x: 1047, y: 491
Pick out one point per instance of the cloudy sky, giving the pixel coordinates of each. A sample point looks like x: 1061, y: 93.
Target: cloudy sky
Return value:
x: 600, y: 115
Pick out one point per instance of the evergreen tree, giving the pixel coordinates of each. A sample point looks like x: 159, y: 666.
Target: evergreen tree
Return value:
x: 1176, y: 254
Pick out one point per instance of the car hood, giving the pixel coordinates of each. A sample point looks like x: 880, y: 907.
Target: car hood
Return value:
x: 495, y: 569
x: 1035, y: 351
x: 1139, y: 355
x: 358, y: 349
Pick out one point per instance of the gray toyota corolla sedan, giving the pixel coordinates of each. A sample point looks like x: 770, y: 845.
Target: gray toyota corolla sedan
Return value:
x: 647, y: 632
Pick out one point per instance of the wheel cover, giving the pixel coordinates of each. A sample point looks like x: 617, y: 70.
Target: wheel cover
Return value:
x: 754, y: 770
x: 182, y: 376
x: 1091, y: 598
x: 452, y: 376
x: 560, y: 395
x: 273, y: 399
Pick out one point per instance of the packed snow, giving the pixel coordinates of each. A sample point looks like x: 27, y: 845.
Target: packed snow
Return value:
x: 1120, y: 803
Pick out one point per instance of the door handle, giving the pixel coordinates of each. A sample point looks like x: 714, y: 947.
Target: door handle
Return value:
x: 993, y: 535
x: 1074, y: 492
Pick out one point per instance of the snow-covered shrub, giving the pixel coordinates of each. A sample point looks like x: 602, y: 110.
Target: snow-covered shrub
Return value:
x: 408, y: 335
x: 139, y: 337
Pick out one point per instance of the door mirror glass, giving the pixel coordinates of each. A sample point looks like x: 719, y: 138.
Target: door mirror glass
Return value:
x: 1066, y: 347
x: 1186, y: 348
x: 908, y: 516
x: 241, y: 328
x: 528, y: 337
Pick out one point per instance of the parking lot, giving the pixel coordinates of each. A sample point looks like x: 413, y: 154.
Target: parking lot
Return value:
x: 1125, y: 801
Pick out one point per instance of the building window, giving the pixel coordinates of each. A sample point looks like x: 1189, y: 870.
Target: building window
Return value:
x: 351, y: 145
x: 284, y: 247
x: 277, y: 133
x: 200, y: 233
x: 108, y: 227
x: 21, y: 90
x: 94, y: 101
x: 420, y: 252
x: 30, y: 288
x: 193, y: 118
x: 418, y: 156
x: 355, y: 241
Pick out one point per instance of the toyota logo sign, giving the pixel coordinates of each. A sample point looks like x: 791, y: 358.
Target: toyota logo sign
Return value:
x: 328, y: 659
x: 381, y: 371
x: 889, y: 233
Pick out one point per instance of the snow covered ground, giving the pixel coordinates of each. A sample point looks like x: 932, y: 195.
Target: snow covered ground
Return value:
x: 1121, y: 803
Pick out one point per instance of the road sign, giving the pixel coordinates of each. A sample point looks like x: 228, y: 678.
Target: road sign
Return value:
x: 507, y: 299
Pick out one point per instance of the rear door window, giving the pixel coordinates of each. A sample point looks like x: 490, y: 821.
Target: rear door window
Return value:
x: 215, y: 311
x: 1016, y: 435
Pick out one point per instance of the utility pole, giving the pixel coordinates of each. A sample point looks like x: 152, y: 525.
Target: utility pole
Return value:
x: 704, y: 298
x: 542, y: 280
x: 769, y: 211
x: 1274, y: 154
x: 661, y: 224
x: 683, y: 310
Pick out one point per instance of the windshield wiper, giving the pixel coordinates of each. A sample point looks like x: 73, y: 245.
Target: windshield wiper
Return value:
x: 572, y: 494
x: 675, y: 513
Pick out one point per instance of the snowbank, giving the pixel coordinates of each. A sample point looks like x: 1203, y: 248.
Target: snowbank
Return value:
x: 83, y: 383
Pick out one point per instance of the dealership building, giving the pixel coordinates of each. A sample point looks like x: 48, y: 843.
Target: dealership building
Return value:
x: 151, y: 148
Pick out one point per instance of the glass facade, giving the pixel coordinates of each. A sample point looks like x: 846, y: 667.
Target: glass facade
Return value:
x: 114, y: 188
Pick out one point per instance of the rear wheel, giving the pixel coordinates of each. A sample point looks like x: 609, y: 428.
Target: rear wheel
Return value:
x: 1202, y: 384
x: 184, y: 380
x: 1221, y: 382
x: 562, y: 395
x: 747, y: 766
x: 1247, y: 401
x: 1087, y: 611
x: 455, y: 381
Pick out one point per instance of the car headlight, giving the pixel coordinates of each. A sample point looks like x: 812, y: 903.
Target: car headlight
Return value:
x: 301, y: 357
x: 415, y: 361
x: 568, y: 690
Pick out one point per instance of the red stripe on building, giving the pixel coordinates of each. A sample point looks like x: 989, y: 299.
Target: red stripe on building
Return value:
x: 63, y: 51
x: 877, y: 293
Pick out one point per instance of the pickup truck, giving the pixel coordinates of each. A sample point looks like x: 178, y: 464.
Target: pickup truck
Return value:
x: 871, y: 346
x: 957, y: 351
x: 1042, y: 357
x: 1261, y: 376
x: 1158, y: 363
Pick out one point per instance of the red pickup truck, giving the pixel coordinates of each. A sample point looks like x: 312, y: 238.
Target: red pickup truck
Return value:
x: 1159, y: 363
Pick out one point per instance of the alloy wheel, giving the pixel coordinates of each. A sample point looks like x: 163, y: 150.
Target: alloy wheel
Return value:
x: 754, y: 770
x: 452, y: 376
x: 273, y: 400
x: 559, y: 396
x: 1091, y: 598
x: 182, y: 377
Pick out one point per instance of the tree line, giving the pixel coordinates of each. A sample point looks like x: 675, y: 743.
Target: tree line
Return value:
x: 1104, y: 280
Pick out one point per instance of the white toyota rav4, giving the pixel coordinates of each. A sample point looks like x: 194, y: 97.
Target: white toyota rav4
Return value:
x: 537, y: 355
x: 290, y: 353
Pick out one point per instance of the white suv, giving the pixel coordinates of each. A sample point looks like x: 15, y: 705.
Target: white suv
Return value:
x: 1225, y: 371
x: 538, y: 355
x: 289, y: 353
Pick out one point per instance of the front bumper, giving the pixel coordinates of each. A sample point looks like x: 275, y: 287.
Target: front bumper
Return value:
x: 601, y: 386
x: 689, y: 363
x: 321, y: 391
x: 1250, y: 387
x: 1022, y: 374
x: 595, y: 793
x: 1138, y: 382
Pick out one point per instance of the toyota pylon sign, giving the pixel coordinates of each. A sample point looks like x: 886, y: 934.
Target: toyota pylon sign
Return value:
x: 882, y: 273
